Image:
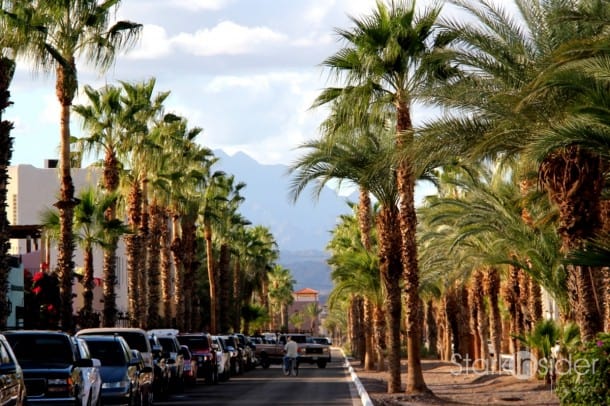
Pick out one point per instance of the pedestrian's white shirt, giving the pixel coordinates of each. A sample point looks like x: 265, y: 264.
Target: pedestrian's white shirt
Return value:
x: 292, y: 349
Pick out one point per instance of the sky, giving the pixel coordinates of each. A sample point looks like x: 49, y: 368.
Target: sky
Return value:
x: 245, y: 71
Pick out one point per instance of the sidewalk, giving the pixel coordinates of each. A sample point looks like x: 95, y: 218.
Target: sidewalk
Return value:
x: 362, y: 393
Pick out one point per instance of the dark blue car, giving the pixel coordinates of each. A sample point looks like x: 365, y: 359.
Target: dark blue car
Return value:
x: 121, y: 370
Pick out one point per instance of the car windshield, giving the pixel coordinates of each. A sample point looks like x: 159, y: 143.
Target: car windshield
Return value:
x: 110, y: 353
x: 136, y: 341
x: 41, y: 349
x: 168, y: 344
x: 194, y: 343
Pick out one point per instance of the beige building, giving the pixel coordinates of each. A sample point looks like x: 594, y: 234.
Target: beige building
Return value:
x: 297, y: 312
x: 32, y: 190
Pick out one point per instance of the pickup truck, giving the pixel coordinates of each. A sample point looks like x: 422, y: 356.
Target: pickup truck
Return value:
x: 309, y: 351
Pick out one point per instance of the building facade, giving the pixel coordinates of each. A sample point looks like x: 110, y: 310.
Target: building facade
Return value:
x: 30, y: 192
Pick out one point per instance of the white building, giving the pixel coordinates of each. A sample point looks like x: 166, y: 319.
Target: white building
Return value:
x: 33, y: 190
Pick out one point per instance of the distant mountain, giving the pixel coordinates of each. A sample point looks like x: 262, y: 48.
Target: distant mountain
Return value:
x: 301, y: 229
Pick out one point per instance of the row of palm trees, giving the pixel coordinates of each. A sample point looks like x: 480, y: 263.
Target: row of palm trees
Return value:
x: 517, y: 148
x: 178, y: 217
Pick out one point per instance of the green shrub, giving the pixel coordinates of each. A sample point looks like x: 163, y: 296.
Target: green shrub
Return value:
x: 587, y: 378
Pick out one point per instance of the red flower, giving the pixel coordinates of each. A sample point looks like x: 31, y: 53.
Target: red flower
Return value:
x: 37, y: 290
x: 38, y: 276
x: 50, y: 308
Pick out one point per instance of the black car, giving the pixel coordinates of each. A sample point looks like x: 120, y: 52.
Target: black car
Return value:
x: 54, y: 371
x: 171, y: 351
x: 12, y: 384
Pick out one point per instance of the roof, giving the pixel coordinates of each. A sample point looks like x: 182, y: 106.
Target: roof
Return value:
x: 21, y: 232
x: 306, y: 291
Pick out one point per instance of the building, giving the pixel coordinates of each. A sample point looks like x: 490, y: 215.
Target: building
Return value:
x: 299, y: 317
x: 32, y: 190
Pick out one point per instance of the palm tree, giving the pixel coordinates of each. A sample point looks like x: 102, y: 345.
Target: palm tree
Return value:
x: 362, y: 155
x: 92, y: 230
x: 139, y: 152
x: 312, y: 311
x: 7, y: 69
x: 281, y: 286
x: 66, y: 31
x: 105, y: 118
x: 387, y: 60
x: 502, y: 61
x: 355, y: 273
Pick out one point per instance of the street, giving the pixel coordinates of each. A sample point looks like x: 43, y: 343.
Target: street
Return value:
x: 314, y: 386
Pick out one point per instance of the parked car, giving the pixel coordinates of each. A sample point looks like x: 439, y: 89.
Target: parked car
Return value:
x: 161, y: 367
x: 93, y: 375
x: 247, y: 349
x: 223, y: 358
x: 200, y: 345
x: 137, y: 339
x: 237, y: 360
x: 12, y: 384
x: 120, y: 370
x: 171, y: 351
x: 190, y: 365
x: 53, y: 368
x: 322, y: 340
x: 146, y: 379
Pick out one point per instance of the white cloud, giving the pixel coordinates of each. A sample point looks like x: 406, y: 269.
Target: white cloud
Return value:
x: 228, y: 38
x: 154, y: 44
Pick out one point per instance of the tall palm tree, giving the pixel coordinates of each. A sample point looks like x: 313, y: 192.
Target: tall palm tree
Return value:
x: 388, y: 58
x: 105, y: 118
x: 66, y: 31
x: 7, y: 69
x: 362, y: 155
x: 139, y: 151
x: 212, y: 198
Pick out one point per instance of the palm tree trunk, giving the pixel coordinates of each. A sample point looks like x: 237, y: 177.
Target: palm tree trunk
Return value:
x: 7, y: 69
x: 431, y: 328
x: 166, y: 270
x: 65, y: 89
x: 133, y: 251
x: 369, y: 353
x: 492, y: 290
x: 88, y: 283
x: 111, y: 181
x: 189, y: 236
x: 574, y: 178
x: 178, y: 254
x: 405, y: 180
x: 154, y: 265
x: 238, y: 296
x: 211, y: 276
x: 143, y: 259
x: 390, y: 267
x: 108, y: 286
x: 379, y: 325
x: 482, y: 318
x: 224, y: 273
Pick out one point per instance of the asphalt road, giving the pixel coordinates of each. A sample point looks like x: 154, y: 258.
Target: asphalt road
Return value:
x: 314, y: 386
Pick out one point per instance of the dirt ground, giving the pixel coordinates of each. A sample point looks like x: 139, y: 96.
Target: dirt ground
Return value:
x: 450, y: 387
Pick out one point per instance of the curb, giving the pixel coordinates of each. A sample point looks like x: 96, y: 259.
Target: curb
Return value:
x: 364, y: 396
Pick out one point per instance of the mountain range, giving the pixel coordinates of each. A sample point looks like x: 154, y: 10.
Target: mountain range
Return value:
x: 301, y: 229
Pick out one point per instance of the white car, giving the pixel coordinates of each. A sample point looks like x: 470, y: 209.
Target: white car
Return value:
x: 223, y: 358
